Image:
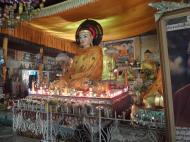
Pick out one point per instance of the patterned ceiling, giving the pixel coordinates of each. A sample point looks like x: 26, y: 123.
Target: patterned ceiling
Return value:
x: 119, y: 19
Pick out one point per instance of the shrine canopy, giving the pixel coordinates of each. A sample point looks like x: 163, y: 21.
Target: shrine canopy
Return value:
x: 56, y: 24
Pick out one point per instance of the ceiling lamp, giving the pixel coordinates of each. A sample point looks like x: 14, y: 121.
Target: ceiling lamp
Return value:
x: 13, y: 12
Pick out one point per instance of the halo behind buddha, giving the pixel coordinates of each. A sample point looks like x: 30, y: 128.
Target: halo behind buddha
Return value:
x: 94, y: 27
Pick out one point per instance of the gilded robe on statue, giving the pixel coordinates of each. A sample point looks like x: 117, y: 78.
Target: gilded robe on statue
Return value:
x: 87, y: 65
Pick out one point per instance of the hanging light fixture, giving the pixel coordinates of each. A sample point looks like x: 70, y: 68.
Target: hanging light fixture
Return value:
x: 13, y: 12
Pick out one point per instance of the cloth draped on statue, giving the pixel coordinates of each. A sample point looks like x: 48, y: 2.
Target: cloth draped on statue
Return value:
x: 87, y: 65
x: 153, y: 90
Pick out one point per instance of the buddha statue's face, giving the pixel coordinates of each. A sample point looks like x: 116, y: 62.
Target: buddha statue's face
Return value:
x: 147, y: 57
x: 85, y: 38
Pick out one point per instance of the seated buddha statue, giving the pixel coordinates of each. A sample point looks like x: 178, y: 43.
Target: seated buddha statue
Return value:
x: 87, y: 64
x: 148, y: 68
x: 152, y: 77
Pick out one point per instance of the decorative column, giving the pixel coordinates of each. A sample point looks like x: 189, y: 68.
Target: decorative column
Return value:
x: 40, y: 67
x: 5, y: 47
x: 138, y: 48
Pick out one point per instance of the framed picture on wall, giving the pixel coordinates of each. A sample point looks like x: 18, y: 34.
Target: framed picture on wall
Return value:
x: 125, y: 47
x: 174, y: 33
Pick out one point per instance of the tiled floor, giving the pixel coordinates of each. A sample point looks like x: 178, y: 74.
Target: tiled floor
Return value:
x: 18, y: 139
x: 6, y: 135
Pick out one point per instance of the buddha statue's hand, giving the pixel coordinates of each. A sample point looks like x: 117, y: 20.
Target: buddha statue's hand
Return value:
x: 58, y: 84
x: 101, y: 87
x: 80, y: 84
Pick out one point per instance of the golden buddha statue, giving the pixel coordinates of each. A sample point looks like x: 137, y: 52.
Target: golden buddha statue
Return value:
x: 153, y: 96
x: 88, y: 62
x: 148, y: 66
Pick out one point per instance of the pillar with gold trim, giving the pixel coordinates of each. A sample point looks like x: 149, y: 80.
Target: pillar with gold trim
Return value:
x: 5, y: 48
x: 40, y: 67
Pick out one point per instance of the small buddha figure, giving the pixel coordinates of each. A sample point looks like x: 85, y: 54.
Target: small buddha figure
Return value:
x: 148, y: 66
x: 152, y: 77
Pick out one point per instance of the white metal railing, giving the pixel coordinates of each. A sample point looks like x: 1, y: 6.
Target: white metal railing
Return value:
x: 39, y: 120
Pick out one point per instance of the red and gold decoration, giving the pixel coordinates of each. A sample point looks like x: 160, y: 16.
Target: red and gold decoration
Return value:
x: 12, y: 12
x: 5, y: 47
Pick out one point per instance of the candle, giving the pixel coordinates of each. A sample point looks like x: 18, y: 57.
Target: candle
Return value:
x: 65, y: 90
x: 116, y: 73
x: 90, y: 89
